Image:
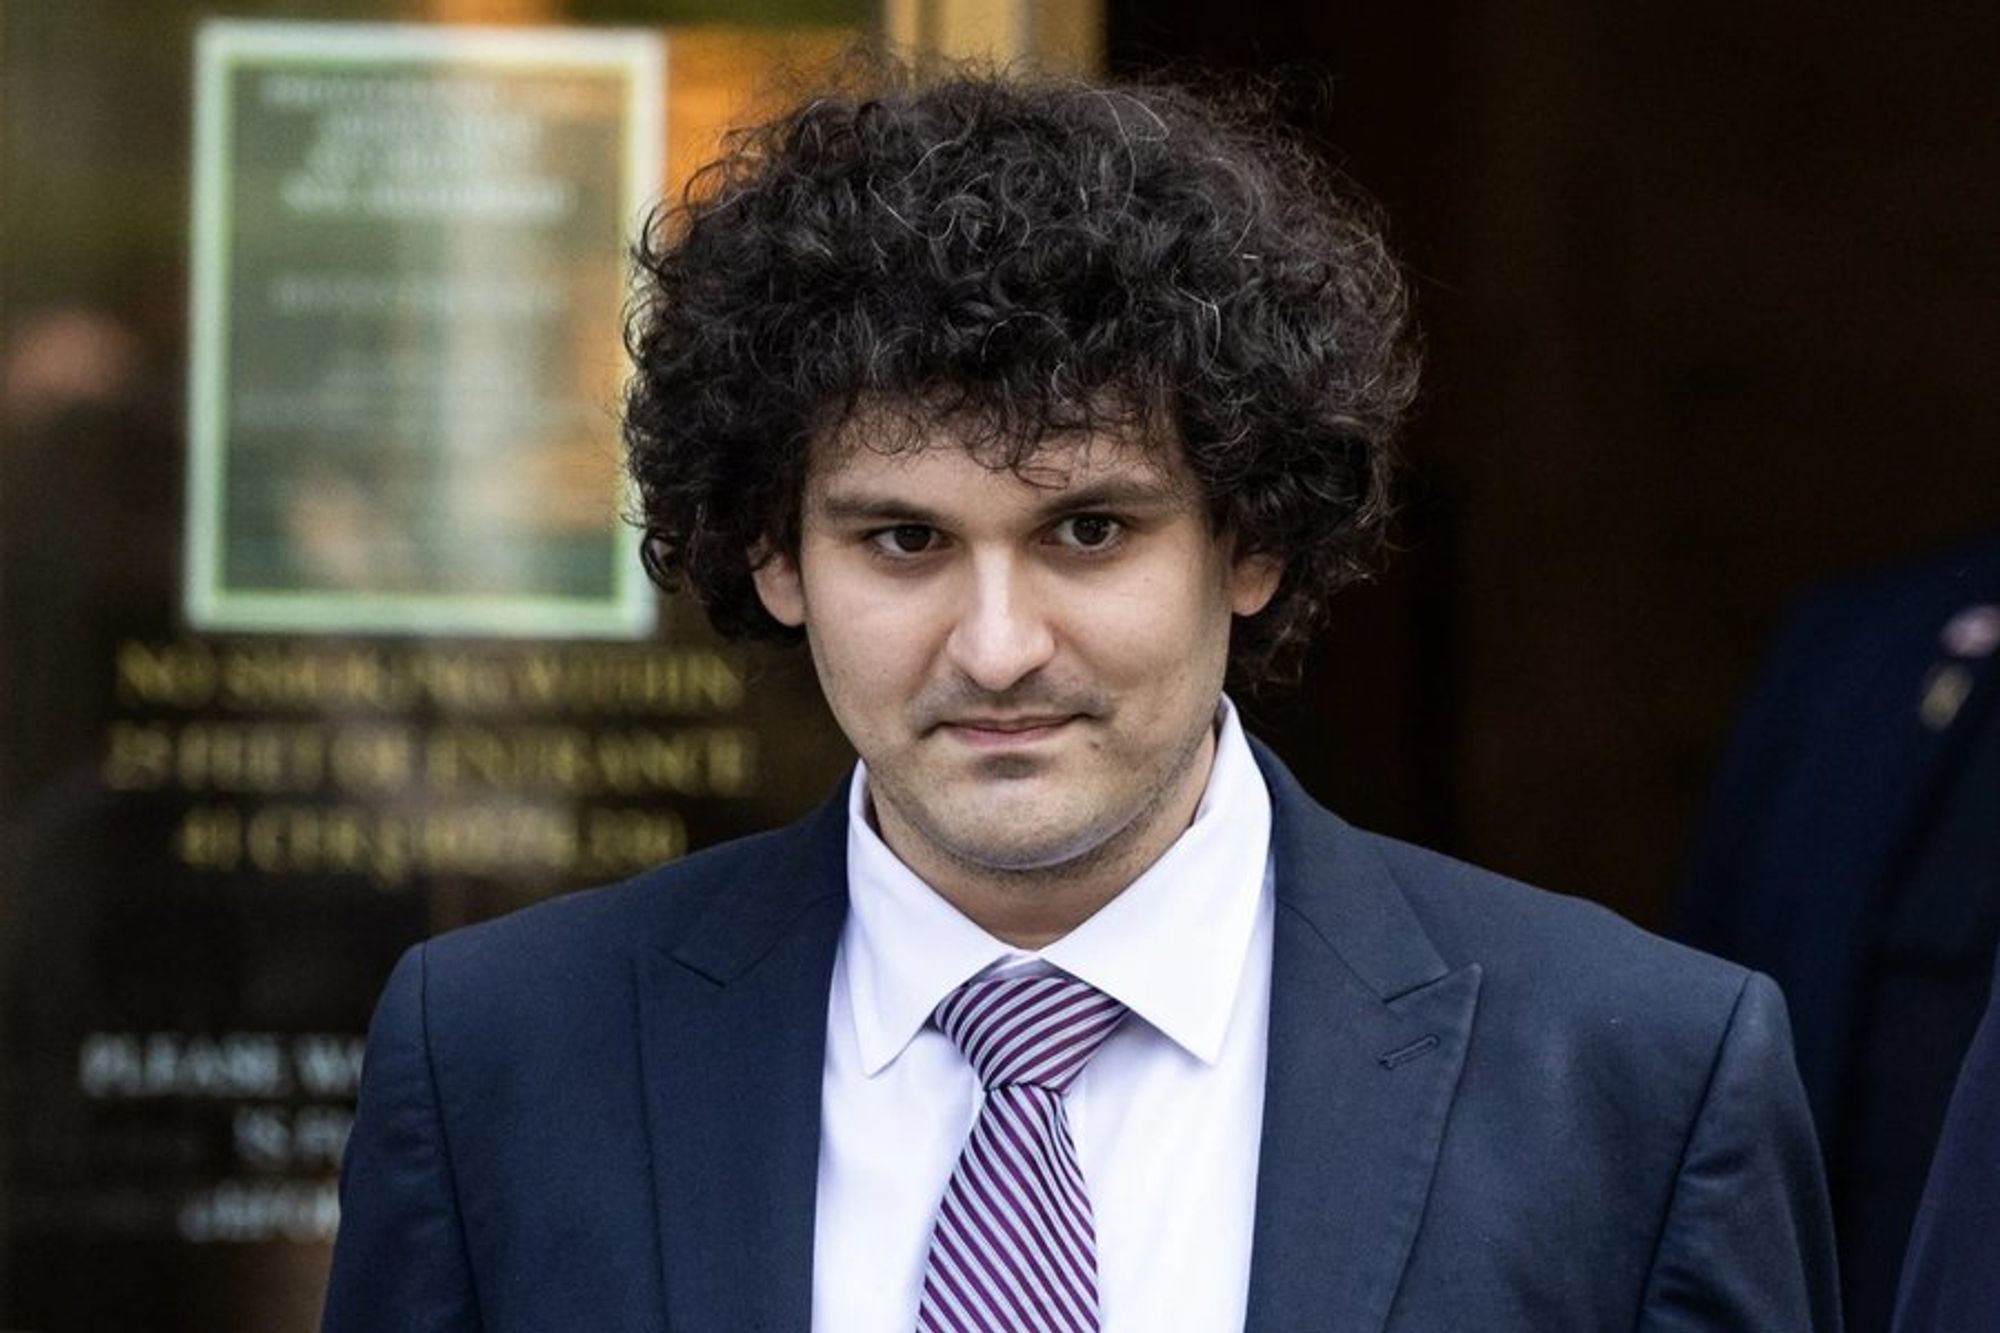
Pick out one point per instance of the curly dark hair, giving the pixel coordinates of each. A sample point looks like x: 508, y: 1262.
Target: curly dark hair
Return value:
x: 1039, y: 258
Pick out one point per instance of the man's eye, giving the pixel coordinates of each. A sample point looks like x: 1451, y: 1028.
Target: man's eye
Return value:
x: 1088, y: 532
x: 904, y: 539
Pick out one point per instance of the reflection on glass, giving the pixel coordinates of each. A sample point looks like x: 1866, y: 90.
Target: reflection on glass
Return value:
x: 407, y: 295
x: 318, y: 630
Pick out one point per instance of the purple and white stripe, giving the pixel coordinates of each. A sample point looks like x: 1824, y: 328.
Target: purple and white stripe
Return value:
x: 1014, y: 1250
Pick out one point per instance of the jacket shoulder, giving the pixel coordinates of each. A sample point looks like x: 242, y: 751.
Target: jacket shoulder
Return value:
x: 1564, y: 962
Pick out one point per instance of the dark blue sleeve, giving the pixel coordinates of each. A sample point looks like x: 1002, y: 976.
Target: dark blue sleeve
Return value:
x: 1951, y: 1274
x: 1747, y: 1242
x: 399, y: 1259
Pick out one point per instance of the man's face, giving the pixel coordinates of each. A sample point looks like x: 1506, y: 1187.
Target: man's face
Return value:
x: 1029, y: 666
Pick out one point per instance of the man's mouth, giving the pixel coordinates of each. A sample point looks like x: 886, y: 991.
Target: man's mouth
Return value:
x: 1006, y: 732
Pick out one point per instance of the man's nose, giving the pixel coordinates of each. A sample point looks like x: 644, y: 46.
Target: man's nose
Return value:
x: 1002, y: 633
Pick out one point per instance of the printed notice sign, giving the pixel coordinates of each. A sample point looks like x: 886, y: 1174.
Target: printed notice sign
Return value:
x: 408, y: 285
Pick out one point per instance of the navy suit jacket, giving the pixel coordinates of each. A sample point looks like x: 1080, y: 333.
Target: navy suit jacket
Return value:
x: 1950, y: 1282
x: 1487, y: 1107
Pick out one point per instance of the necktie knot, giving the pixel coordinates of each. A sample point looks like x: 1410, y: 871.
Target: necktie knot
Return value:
x: 1036, y: 1030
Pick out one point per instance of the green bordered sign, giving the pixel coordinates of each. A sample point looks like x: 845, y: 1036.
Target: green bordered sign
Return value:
x: 408, y: 282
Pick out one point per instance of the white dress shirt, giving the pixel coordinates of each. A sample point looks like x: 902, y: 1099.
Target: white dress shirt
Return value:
x: 1166, y: 1117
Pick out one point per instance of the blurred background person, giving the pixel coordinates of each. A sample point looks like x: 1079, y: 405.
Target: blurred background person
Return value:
x: 1852, y: 850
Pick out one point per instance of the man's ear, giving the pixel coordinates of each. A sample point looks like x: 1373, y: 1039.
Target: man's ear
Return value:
x: 779, y: 587
x: 1253, y: 581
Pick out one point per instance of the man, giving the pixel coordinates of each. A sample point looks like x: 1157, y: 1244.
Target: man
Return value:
x: 1038, y: 411
x: 1851, y: 853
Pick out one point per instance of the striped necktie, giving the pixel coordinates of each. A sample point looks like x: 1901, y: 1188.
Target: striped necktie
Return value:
x: 1014, y: 1250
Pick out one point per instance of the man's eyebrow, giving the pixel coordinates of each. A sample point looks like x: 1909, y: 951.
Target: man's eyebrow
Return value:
x: 1114, y: 493
x: 1118, y: 493
x: 862, y: 507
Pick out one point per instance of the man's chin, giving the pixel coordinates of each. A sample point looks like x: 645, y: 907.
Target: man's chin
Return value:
x: 998, y: 840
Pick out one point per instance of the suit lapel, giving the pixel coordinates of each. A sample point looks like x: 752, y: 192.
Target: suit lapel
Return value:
x: 733, y: 1032
x: 1938, y: 722
x: 1921, y: 706
x: 1368, y: 1034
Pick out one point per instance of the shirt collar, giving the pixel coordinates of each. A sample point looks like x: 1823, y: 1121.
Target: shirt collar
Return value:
x: 1171, y: 947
